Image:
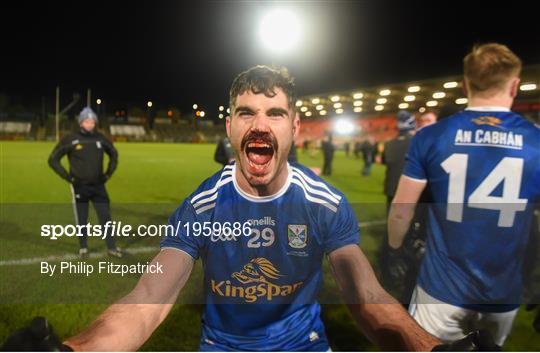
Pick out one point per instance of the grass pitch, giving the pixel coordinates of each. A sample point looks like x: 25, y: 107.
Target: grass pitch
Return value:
x: 151, y: 181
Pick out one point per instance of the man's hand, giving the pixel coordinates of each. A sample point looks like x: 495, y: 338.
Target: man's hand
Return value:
x: 477, y: 341
x: 396, y: 264
x: 380, y: 317
x: 38, y: 336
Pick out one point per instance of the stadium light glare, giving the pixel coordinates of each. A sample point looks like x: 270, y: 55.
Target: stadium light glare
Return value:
x: 409, y: 98
x: 357, y: 109
x: 308, y: 113
x: 382, y: 100
x: 299, y: 103
x: 403, y: 105
x: 422, y: 109
x: 221, y: 108
x: 220, y: 116
x: 228, y: 110
x: 462, y: 101
x: 339, y: 111
x: 358, y: 103
x: 280, y: 30
x: 195, y: 106
x: 439, y: 95
x: 319, y: 107
x: 202, y: 114
x: 315, y: 101
x: 451, y: 84
x: 379, y: 108
x: 337, y: 105
x: 358, y: 95
x: 322, y: 112
x: 413, y: 89
x: 98, y: 101
x: 304, y: 109
x: 335, y: 99
x: 528, y: 87
x: 432, y: 103
x: 149, y: 104
x: 385, y: 92
x: 344, y: 126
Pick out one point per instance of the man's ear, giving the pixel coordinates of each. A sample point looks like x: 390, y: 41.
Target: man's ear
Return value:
x: 228, y: 126
x: 514, y: 87
x: 465, y: 88
x: 296, y: 125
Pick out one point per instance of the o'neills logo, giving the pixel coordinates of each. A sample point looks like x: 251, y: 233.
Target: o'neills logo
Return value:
x: 260, y: 273
x: 265, y: 221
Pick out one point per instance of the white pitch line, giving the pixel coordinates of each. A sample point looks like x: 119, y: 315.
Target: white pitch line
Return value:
x: 141, y: 250
x: 67, y: 257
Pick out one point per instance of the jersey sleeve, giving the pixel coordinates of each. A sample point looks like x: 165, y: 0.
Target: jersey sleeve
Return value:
x: 343, y: 228
x: 414, y: 160
x: 177, y: 237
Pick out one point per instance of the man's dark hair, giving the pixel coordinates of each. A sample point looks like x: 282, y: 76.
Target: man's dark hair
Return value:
x: 263, y: 79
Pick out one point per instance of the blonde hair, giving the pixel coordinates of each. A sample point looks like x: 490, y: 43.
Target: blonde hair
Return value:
x: 488, y: 67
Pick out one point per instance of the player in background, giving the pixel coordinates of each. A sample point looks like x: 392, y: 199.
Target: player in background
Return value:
x: 85, y: 149
x: 482, y: 166
x: 260, y: 288
x: 425, y: 119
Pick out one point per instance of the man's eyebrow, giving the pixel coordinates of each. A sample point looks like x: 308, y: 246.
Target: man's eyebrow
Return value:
x: 243, y: 108
x: 277, y: 111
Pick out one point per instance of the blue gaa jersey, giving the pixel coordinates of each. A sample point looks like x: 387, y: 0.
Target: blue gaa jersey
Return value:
x: 483, y: 171
x: 261, y: 286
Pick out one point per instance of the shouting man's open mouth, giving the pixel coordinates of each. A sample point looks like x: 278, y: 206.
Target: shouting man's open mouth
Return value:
x: 259, y: 149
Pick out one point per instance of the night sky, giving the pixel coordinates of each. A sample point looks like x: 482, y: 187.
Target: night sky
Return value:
x: 178, y: 53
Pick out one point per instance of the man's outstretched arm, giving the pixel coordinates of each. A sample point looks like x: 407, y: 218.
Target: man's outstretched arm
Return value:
x: 382, y: 319
x: 127, y: 324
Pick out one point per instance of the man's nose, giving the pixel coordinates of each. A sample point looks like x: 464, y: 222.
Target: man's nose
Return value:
x: 260, y: 123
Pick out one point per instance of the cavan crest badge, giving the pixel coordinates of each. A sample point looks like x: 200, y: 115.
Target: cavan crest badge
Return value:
x: 297, y: 234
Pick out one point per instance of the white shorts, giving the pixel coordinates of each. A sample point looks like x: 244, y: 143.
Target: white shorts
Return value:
x: 450, y: 323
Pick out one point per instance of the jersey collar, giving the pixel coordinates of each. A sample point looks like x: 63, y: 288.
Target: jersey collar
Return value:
x: 488, y: 108
x: 268, y: 198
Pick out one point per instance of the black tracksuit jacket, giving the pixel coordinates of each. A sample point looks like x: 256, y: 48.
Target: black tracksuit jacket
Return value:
x: 85, y: 154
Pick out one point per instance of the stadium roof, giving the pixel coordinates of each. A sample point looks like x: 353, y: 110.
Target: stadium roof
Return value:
x: 412, y: 96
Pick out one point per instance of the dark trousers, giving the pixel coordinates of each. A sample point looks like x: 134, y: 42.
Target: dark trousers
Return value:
x: 82, y: 196
x: 327, y: 165
x: 367, y: 166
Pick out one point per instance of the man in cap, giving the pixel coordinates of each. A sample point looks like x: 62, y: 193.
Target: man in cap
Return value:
x: 85, y: 149
x: 394, y: 153
x: 395, y: 267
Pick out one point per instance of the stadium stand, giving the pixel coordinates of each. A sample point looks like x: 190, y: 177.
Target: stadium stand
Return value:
x: 372, y: 111
x: 15, y: 130
x: 128, y: 132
